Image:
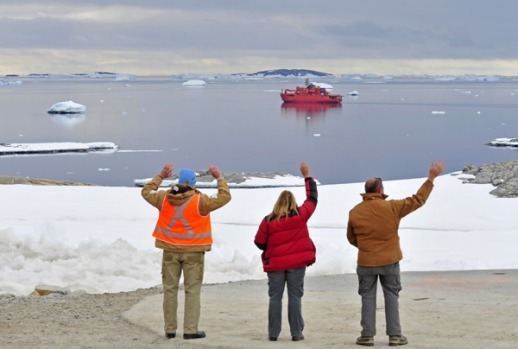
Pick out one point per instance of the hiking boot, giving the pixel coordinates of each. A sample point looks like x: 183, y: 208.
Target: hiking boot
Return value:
x: 366, y: 341
x: 199, y: 334
x: 397, y: 340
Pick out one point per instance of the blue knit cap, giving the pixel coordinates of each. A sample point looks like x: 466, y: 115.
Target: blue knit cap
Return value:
x: 187, y: 176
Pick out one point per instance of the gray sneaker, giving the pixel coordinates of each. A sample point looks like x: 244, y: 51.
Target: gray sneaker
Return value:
x: 397, y: 340
x: 366, y: 341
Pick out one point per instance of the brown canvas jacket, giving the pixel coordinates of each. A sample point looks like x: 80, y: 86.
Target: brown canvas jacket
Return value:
x: 373, y: 225
x: 207, y: 204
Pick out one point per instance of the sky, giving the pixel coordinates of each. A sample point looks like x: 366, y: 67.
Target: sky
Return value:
x: 164, y: 37
x: 98, y: 239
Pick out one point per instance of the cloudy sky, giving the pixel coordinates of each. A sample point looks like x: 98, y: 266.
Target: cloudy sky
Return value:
x: 147, y: 37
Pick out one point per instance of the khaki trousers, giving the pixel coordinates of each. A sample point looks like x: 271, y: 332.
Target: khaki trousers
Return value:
x: 191, y: 264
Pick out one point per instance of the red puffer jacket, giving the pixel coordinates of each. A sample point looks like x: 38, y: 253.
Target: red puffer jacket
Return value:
x: 286, y: 242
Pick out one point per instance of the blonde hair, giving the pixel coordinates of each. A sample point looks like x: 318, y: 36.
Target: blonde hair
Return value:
x: 285, y: 204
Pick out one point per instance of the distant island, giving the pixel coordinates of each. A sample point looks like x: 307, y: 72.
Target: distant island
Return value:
x: 272, y: 74
x: 289, y: 72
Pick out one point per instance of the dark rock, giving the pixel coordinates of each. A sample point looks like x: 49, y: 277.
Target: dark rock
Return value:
x: 45, y: 290
x: 503, y: 175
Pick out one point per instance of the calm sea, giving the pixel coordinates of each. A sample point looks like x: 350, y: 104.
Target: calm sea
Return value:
x: 392, y: 130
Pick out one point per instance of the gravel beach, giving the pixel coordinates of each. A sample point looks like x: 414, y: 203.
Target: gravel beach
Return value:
x: 465, y: 309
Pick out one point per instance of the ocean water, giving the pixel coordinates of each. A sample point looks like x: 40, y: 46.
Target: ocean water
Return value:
x: 392, y: 130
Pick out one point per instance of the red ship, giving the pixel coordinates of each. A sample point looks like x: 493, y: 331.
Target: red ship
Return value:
x: 310, y: 94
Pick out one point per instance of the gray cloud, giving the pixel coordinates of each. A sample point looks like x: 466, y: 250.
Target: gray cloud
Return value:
x: 334, y: 29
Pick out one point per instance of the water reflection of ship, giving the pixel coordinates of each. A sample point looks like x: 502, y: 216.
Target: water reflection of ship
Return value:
x: 308, y: 109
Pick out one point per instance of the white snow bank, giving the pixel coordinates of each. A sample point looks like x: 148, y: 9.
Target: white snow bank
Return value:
x: 78, y: 238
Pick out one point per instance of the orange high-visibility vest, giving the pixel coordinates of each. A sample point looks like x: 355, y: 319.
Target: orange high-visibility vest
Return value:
x: 183, y: 224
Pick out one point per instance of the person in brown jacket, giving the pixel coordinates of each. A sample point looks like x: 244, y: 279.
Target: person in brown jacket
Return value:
x: 184, y: 233
x: 373, y: 228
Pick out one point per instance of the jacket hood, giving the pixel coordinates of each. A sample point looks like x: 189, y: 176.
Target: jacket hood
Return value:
x: 179, y: 193
x: 367, y: 196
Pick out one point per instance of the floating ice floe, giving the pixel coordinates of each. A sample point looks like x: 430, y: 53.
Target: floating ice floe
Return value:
x: 11, y: 83
x: 504, y: 142
x: 54, y: 148
x: 194, y: 82
x: 68, y: 107
x: 353, y: 93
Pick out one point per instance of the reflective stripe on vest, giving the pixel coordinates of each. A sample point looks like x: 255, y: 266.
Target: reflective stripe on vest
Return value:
x: 183, y: 225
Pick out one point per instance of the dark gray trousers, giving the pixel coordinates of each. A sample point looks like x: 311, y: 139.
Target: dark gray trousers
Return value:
x: 294, y: 278
x: 390, y: 280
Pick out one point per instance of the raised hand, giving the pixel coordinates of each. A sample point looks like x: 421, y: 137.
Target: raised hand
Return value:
x: 436, y: 169
x: 214, y: 172
x: 167, y: 171
x: 304, y: 169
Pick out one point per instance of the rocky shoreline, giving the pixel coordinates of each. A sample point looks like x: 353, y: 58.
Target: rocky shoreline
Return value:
x: 204, y: 179
x: 37, y: 181
x: 502, y: 175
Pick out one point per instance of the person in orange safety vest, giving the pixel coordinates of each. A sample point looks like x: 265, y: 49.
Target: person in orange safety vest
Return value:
x: 183, y: 231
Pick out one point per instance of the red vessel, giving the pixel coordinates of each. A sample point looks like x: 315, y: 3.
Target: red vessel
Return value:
x: 310, y: 94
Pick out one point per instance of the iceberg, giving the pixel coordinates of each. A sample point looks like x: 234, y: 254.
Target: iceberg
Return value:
x: 68, y: 107
x: 124, y: 78
x: 323, y: 85
x: 194, y: 82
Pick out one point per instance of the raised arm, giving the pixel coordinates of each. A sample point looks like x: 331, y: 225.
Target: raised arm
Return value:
x: 209, y: 203
x: 150, y: 193
x: 417, y: 200
x: 311, y: 185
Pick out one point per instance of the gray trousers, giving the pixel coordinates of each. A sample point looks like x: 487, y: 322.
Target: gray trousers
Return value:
x: 389, y: 276
x: 294, y: 278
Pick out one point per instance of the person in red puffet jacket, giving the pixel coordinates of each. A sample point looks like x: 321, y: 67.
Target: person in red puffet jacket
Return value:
x: 287, y: 250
